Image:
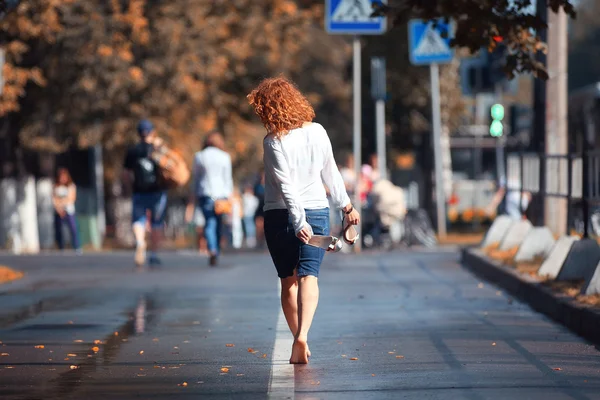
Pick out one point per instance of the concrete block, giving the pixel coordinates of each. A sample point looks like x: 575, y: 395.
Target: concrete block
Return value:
x: 581, y: 261
x: 555, y: 260
x: 592, y: 285
x: 516, y: 234
x: 537, y: 243
x: 498, y: 230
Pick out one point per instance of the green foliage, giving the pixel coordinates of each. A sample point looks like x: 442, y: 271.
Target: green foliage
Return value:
x: 480, y: 22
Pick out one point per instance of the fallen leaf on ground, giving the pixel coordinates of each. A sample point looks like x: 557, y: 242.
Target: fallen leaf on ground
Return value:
x: 251, y: 350
x: 157, y: 366
x: 39, y: 346
x: 558, y: 369
x: 239, y: 374
x: 9, y: 367
x: 399, y: 356
x: 391, y: 352
x: 224, y: 370
x: 4, y: 354
x: 141, y: 351
x: 95, y: 349
x: 493, y: 344
x: 73, y: 367
x: 155, y: 340
x: 264, y: 356
x: 66, y: 359
x: 78, y: 341
x: 97, y: 341
x: 354, y: 358
x: 186, y: 341
x: 196, y: 322
x: 71, y: 355
x: 116, y: 333
x: 344, y: 356
x: 176, y: 347
x: 184, y: 384
x: 372, y: 374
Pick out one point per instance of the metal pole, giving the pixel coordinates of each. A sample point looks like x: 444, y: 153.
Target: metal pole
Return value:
x: 437, y: 150
x: 380, y: 128
x: 500, y: 141
x: 1, y: 68
x: 357, y: 135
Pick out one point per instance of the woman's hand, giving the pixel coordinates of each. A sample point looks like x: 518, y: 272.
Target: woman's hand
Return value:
x: 353, y: 216
x: 305, y: 234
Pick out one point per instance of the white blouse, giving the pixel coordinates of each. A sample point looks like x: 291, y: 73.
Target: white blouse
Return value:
x: 296, y: 167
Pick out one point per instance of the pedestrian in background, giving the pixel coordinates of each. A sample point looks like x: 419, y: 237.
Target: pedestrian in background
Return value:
x: 64, y: 195
x: 212, y: 188
x: 250, y: 204
x: 299, y: 162
x: 259, y: 217
x: 237, y: 231
x: 149, y: 197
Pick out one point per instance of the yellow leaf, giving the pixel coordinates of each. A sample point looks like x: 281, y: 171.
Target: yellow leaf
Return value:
x: 95, y: 349
x: 39, y: 346
x: 141, y: 351
x: 399, y: 356
x: 224, y: 370
x: 73, y: 367
x: 230, y: 345
x: 354, y: 358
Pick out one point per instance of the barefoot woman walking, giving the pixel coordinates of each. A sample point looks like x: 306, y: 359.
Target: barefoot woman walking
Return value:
x: 298, y: 160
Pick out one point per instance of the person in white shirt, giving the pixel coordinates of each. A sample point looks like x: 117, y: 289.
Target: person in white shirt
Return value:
x: 298, y: 161
x: 250, y: 204
x: 212, y: 182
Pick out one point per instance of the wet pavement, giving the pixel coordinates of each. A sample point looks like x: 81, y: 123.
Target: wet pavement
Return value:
x: 400, y: 325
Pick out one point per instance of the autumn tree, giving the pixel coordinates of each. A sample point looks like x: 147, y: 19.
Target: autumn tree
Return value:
x: 185, y: 64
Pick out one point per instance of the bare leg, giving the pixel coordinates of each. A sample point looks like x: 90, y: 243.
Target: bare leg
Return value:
x: 139, y: 232
x: 308, y: 298
x: 289, y: 302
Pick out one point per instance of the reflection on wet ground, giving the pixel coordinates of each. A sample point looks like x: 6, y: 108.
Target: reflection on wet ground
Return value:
x: 390, y: 326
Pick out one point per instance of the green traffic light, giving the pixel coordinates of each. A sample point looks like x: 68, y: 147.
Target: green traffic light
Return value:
x: 496, y: 128
x: 497, y: 112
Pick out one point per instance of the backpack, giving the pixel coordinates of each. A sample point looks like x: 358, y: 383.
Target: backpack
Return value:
x: 172, y: 169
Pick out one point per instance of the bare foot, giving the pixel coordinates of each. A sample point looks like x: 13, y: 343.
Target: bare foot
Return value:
x: 299, y: 352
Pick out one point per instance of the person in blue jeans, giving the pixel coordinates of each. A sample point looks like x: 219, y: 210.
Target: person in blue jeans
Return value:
x: 63, y: 198
x: 212, y: 181
x: 299, y: 162
x: 149, y: 196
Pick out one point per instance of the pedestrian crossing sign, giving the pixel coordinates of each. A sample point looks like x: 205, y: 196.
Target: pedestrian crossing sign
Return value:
x: 429, y: 42
x: 353, y: 17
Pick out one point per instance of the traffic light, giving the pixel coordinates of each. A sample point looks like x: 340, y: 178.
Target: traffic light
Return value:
x: 497, y: 113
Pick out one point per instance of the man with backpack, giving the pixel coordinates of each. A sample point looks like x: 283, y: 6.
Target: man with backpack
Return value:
x: 149, y: 191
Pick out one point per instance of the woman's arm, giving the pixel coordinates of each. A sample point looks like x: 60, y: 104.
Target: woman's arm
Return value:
x: 277, y: 167
x: 72, y: 195
x: 337, y: 188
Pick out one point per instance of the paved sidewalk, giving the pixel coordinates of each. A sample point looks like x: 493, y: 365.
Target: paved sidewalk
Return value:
x: 401, y: 325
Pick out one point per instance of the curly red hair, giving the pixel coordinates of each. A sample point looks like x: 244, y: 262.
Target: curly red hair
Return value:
x: 280, y: 105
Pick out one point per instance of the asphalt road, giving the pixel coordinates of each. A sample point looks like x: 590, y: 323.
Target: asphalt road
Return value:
x: 402, y: 325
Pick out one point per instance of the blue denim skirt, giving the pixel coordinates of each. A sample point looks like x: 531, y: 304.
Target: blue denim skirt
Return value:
x: 287, y: 251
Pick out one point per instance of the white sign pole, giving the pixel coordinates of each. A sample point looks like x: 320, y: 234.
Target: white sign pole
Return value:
x: 440, y: 198
x: 357, y: 145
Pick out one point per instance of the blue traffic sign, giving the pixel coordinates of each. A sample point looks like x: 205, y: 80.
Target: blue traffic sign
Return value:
x: 353, y: 17
x: 429, y: 43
